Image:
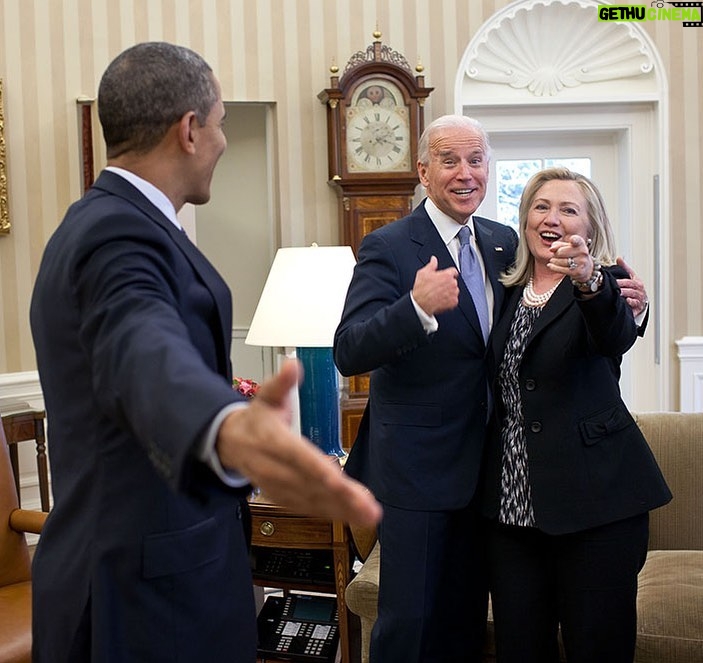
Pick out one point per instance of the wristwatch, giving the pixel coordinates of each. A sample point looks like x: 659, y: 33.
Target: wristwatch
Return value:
x: 594, y: 283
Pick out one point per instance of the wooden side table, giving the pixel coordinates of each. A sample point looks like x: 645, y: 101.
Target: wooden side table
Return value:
x: 22, y: 426
x: 274, y: 526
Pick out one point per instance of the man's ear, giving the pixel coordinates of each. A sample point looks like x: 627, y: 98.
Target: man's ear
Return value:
x: 422, y: 173
x: 187, y: 127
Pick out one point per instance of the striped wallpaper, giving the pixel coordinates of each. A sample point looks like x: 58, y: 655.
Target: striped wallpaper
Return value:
x: 53, y: 51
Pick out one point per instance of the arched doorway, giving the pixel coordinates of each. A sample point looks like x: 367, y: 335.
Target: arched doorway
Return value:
x: 548, y: 80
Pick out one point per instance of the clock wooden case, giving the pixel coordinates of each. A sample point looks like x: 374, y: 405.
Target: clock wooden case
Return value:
x: 375, y: 115
x: 374, y: 120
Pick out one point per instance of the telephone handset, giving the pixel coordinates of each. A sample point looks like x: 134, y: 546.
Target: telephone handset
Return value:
x: 299, y: 627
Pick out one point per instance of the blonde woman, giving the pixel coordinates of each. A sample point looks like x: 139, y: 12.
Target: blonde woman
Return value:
x: 569, y: 478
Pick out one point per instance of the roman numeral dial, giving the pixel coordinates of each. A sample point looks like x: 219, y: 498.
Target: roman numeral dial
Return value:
x: 378, y: 133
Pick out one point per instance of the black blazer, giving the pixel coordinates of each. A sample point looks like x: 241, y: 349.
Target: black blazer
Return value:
x: 421, y: 437
x: 588, y: 461
x: 132, y: 330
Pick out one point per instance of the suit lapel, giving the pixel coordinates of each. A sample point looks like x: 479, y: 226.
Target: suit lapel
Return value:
x: 425, y: 235
x: 560, y: 300
x: 501, y: 328
x: 493, y: 253
x: 215, y: 284
x: 558, y: 304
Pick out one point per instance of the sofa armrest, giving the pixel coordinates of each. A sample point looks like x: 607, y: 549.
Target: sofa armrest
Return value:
x: 362, y: 592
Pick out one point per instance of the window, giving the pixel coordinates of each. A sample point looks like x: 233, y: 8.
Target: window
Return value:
x: 512, y: 176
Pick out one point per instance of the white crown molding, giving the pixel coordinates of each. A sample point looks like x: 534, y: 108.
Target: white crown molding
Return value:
x: 546, y: 47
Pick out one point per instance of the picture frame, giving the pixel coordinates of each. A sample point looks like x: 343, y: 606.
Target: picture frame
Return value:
x: 85, y: 129
x: 4, y: 206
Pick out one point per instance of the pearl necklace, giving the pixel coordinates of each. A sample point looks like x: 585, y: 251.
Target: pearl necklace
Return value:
x: 531, y: 298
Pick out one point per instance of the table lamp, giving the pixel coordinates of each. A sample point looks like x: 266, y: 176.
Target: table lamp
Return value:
x: 300, y: 306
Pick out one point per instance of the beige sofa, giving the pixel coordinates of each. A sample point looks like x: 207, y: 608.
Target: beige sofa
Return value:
x: 670, y: 598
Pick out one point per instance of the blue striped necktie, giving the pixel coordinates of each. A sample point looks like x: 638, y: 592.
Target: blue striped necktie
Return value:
x: 472, y: 274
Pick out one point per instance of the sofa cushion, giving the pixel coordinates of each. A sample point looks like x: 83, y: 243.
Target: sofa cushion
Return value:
x: 670, y: 607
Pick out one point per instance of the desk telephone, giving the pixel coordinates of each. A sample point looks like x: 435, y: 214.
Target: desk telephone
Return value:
x: 311, y: 566
x: 299, y: 627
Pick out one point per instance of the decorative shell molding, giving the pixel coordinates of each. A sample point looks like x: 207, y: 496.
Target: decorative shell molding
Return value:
x: 548, y: 46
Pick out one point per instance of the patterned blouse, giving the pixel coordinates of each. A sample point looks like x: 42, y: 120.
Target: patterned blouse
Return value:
x: 516, y: 498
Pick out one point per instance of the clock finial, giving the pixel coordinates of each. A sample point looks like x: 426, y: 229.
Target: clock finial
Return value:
x: 334, y: 78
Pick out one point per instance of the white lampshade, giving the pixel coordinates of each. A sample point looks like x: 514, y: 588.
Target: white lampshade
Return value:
x: 302, y: 301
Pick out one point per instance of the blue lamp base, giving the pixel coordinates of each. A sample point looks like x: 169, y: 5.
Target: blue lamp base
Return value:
x: 319, y: 400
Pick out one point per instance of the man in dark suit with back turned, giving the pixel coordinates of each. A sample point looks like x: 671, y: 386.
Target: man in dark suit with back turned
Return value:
x: 413, y: 322
x: 144, y: 555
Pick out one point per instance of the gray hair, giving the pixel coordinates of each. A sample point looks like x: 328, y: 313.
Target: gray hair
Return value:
x: 446, y: 122
x: 148, y: 88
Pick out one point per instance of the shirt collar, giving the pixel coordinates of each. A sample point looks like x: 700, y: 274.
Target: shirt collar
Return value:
x: 446, y: 226
x: 155, y: 196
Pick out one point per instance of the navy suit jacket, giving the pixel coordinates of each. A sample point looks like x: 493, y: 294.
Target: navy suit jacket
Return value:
x: 143, y: 556
x: 421, y: 436
x: 588, y: 462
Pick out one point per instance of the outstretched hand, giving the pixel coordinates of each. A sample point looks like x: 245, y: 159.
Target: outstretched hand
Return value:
x: 257, y: 442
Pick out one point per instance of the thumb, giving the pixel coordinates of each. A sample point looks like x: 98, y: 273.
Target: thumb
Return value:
x: 432, y: 264
x: 275, y: 391
x: 621, y: 263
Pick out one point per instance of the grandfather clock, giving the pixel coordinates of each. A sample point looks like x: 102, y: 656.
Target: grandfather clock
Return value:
x: 374, y: 121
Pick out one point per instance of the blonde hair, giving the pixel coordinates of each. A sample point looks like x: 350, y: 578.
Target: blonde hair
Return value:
x: 600, y: 231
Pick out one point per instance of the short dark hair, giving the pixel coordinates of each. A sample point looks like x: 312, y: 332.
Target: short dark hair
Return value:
x: 146, y: 89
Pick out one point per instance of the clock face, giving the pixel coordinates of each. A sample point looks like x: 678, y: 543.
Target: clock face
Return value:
x: 378, y: 134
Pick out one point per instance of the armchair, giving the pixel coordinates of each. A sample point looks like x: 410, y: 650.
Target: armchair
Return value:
x: 15, y: 566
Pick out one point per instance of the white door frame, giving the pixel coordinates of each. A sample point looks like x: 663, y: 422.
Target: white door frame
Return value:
x: 629, y: 200
x: 629, y: 98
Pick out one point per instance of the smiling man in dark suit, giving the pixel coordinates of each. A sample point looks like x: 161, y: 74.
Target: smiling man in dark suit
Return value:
x: 411, y: 320
x: 144, y: 555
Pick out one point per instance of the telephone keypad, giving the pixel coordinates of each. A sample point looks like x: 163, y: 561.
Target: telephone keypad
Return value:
x: 300, y: 628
